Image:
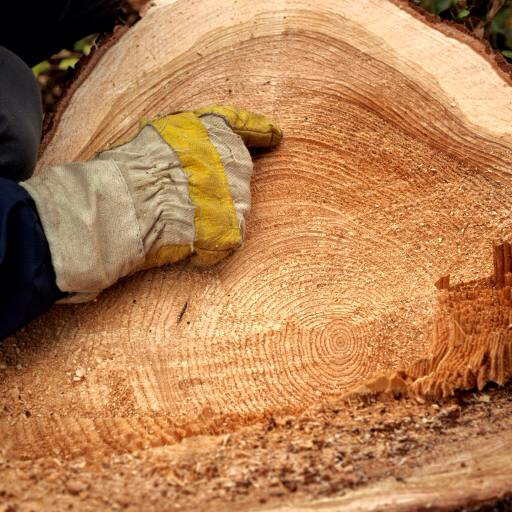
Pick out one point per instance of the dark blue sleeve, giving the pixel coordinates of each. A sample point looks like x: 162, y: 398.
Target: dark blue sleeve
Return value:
x: 27, y: 278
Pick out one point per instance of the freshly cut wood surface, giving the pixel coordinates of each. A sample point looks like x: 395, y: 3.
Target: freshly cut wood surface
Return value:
x: 393, y: 173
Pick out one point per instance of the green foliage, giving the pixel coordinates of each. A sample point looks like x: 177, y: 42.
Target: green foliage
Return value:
x: 40, y: 68
x: 84, y: 45
x: 437, y: 6
x: 487, y: 19
x: 68, y: 62
x: 53, y: 74
x: 66, y: 59
x: 501, y: 28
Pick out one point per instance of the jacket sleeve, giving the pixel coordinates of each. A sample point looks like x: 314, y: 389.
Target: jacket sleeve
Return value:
x: 27, y: 277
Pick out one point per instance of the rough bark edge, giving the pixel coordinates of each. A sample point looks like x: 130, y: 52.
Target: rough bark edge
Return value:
x: 87, y: 64
x: 461, y: 33
x: 82, y: 70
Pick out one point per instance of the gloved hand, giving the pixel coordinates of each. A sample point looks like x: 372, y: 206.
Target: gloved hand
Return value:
x: 180, y: 188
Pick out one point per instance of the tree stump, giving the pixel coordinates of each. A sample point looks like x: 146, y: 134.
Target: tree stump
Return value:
x: 394, y: 172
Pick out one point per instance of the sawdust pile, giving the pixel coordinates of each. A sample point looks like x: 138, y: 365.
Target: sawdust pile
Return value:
x: 329, y: 450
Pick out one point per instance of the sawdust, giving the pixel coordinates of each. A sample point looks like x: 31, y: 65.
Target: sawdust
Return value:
x: 326, y: 451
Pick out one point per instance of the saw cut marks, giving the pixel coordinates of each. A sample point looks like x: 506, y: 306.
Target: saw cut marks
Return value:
x: 394, y: 171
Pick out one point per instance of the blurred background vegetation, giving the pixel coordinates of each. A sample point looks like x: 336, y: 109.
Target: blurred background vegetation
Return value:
x: 53, y: 74
x: 486, y: 19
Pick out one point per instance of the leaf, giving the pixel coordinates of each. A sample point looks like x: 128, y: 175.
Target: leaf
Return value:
x: 40, y: 68
x: 507, y: 53
x: 463, y: 13
x: 437, y: 6
x: 68, y: 63
x: 84, y: 46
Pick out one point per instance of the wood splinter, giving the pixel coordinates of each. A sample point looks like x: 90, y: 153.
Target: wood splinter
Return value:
x: 502, y: 262
x: 443, y: 283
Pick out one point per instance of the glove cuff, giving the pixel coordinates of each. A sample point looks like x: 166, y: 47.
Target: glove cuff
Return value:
x: 91, y: 243
x: 110, y: 216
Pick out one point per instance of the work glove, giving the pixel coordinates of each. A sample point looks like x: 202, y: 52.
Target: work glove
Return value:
x: 179, y: 189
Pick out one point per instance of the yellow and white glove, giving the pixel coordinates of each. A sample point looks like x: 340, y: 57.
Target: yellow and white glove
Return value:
x: 180, y: 188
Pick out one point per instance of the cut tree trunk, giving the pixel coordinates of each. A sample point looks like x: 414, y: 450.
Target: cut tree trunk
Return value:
x: 393, y: 173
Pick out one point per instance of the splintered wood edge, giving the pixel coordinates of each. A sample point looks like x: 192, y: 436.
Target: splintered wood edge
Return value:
x: 479, y: 475
x: 88, y: 63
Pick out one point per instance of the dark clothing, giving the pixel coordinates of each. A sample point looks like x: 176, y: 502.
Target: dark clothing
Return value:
x: 21, y: 116
x: 49, y: 26
x: 27, y: 277
x: 26, y: 272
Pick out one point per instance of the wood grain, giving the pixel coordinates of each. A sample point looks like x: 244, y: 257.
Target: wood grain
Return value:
x: 394, y: 172
x: 485, y: 470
